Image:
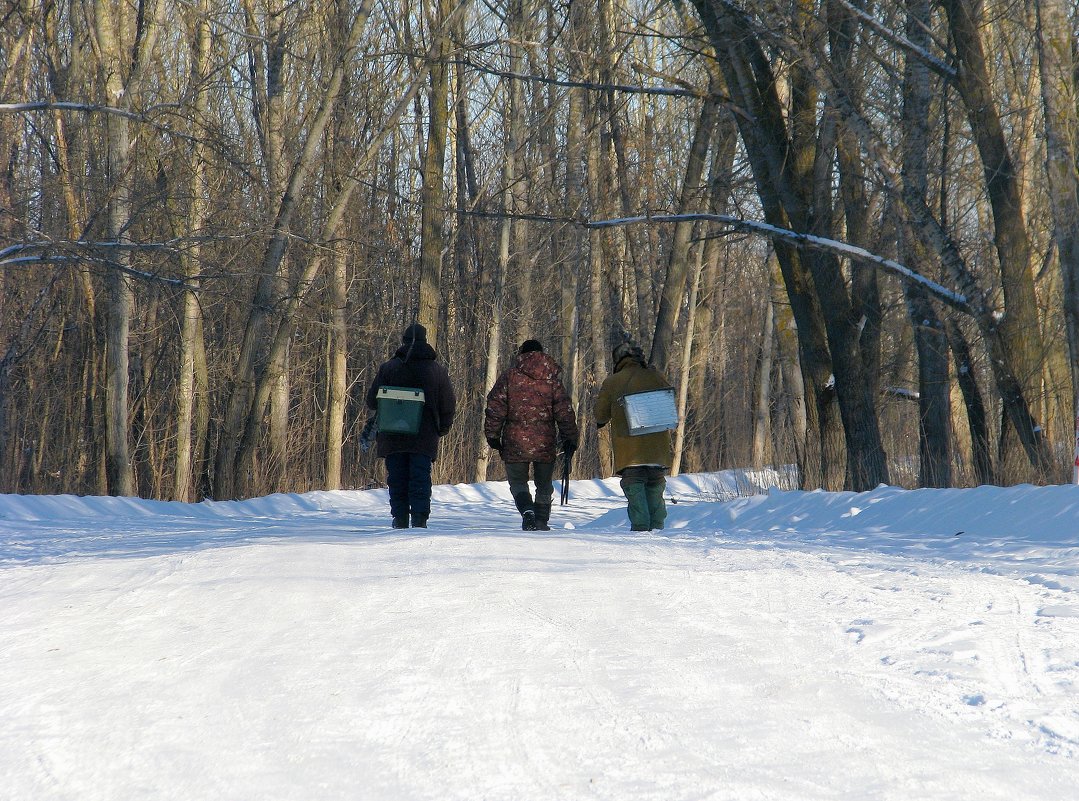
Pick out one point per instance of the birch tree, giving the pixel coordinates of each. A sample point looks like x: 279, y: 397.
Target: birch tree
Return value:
x: 121, y: 79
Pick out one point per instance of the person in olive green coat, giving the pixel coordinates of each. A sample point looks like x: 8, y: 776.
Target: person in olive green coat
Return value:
x: 642, y: 460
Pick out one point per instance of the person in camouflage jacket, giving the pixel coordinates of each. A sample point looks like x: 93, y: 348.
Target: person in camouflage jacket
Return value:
x: 528, y: 417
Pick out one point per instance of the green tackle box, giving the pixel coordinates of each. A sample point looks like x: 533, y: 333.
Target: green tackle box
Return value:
x: 400, y: 410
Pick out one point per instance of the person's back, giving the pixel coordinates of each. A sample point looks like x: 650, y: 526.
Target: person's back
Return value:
x: 527, y: 419
x: 643, y: 459
x: 630, y: 376
x: 409, y: 457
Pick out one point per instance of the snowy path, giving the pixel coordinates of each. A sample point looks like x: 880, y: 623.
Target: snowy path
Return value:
x: 317, y: 655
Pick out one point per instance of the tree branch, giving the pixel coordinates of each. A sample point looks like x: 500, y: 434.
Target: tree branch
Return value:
x: 64, y: 105
x: 600, y: 87
x: 941, y: 293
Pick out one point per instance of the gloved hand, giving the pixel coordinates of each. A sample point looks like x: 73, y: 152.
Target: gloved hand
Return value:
x: 495, y: 443
x: 569, y: 447
x: 367, y: 436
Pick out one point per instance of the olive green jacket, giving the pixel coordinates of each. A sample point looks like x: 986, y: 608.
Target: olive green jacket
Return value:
x: 647, y: 449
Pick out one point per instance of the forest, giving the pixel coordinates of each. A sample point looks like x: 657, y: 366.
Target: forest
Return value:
x: 846, y: 230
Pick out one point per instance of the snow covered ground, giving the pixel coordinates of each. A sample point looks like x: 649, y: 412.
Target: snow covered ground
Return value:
x: 894, y: 644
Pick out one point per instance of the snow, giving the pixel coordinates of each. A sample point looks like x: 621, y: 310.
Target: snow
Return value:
x: 892, y: 644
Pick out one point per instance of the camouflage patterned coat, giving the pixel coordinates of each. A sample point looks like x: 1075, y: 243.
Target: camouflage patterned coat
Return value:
x: 529, y: 410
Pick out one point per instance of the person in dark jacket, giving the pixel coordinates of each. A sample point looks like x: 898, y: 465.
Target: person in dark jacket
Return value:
x: 641, y: 460
x: 409, y: 456
x: 528, y: 417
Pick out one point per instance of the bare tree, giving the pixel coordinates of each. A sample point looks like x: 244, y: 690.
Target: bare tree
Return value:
x: 243, y: 412
x: 121, y: 81
x: 1059, y: 95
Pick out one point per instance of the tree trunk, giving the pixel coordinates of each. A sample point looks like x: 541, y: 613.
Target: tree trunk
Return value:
x: 431, y: 236
x: 977, y: 418
x: 762, y: 392
x: 1020, y: 340
x: 1059, y: 96
x: 934, y: 396
x: 336, y: 290
x: 789, y: 188
x: 120, y: 95
x: 684, y: 376
x: 692, y: 199
x: 243, y: 414
x: 190, y: 326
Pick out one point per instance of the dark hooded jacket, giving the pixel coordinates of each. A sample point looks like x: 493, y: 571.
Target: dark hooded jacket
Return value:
x: 414, y: 365
x: 529, y: 410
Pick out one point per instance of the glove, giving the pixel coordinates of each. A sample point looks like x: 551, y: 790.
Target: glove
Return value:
x: 367, y: 436
x: 569, y: 447
x: 495, y: 443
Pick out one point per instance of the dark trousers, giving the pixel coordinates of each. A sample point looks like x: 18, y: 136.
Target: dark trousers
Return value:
x: 542, y: 473
x: 643, y: 488
x: 409, y: 477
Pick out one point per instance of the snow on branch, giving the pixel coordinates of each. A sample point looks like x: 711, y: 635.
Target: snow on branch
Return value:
x: 44, y: 105
x: 942, y: 293
x: 604, y: 87
x: 13, y: 257
x: 940, y: 67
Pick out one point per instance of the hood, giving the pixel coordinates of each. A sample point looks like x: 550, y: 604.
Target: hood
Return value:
x: 627, y: 361
x: 421, y: 351
x: 538, y: 365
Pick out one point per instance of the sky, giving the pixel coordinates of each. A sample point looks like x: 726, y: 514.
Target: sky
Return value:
x: 786, y: 645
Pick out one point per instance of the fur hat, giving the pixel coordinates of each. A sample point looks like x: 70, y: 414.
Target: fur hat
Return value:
x: 627, y: 348
x: 414, y: 333
x: 530, y: 345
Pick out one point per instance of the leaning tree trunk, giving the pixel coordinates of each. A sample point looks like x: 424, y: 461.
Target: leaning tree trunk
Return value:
x: 684, y: 376
x: 1059, y: 96
x: 242, y: 413
x: 782, y: 166
x: 1019, y: 344
x: 692, y: 199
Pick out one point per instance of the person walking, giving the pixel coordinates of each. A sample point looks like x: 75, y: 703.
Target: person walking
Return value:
x: 528, y: 416
x: 640, y: 460
x: 409, y: 457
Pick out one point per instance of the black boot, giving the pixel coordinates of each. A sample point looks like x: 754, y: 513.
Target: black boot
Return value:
x: 419, y: 521
x: 543, y: 516
x: 523, y: 502
x: 400, y: 522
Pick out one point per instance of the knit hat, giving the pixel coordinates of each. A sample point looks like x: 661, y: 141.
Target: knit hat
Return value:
x: 530, y: 345
x: 414, y: 333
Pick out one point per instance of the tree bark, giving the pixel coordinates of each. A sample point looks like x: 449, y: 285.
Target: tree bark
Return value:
x: 1057, y: 62
x: 120, y: 94
x: 692, y: 199
x: 934, y: 396
x: 794, y: 191
x: 337, y: 368
x: 432, y: 196
x: 242, y: 414
x: 191, y: 324
x: 762, y: 391
x: 1020, y: 339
